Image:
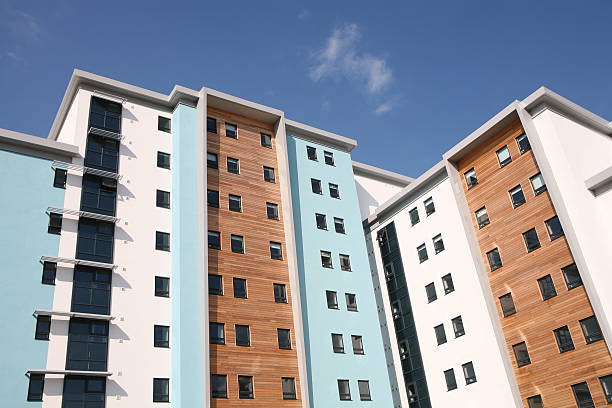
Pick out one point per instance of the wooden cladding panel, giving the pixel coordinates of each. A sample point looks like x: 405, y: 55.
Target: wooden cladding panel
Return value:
x: 263, y: 360
x: 550, y: 373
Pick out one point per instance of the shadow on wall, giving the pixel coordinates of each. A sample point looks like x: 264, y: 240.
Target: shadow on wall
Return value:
x: 365, y: 198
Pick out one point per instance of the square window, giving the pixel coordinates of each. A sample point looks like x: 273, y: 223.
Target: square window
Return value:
x: 288, y: 386
x: 233, y: 165
x: 351, y: 302
x: 494, y: 259
x: 163, y: 124
x: 276, y: 250
x: 161, y: 390
x: 469, y: 373
x: 564, y: 339
x: 547, y: 287
x: 235, y: 203
x: 316, y: 186
x: 161, y: 337
x: 321, y: 221
x: 213, y: 198
x: 470, y: 178
x: 284, y: 339
x: 572, y: 276
x: 329, y: 158
x: 337, y: 343
x: 430, y: 290
x: 451, y: 381
x: 242, y: 335
x: 516, y: 196
x: 162, y: 286
x: 59, y: 179
x: 447, y: 282
x: 49, y: 271
x: 440, y: 334
x: 414, y: 216
x: 237, y: 244
x: 458, y: 326
x: 554, y: 228
x: 266, y: 140
x: 217, y: 333
x: 55, y: 224
x: 538, y: 184
x: 531, y: 240
x: 535, y: 402
x: 214, y: 240
x: 344, y: 390
x: 212, y: 160
x: 231, y: 131
x: 245, y: 387
x: 438, y: 243
x: 240, y: 288
x: 312, y: 153
x: 162, y: 241
x: 606, y: 385
x: 215, y: 285
x: 333, y: 191
x: 396, y: 311
x: 503, y: 155
x: 345, y: 262
x: 357, y: 344
x: 35, y: 387
x: 422, y: 252
x: 280, y: 293
x: 482, y: 217
x: 339, y: 225
x: 364, y: 390
x: 591, y: 330
x: 218, y: 385
x: 521, y: 354
x: 272, y: 211
x: 507, y: 304
x: 163, y: 160
x: 43, y: 327
x: 268, y: 173
x: 211, y: 125
x: 523, y: 143
x: 163, y: 199
x: 583, y: 395
x: 430, y: 208
x: 326, y: 259
x: 332, y: 299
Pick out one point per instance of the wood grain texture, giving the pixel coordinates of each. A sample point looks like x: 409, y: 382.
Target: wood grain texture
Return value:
x: 550, y: 373
x: 263, y: 359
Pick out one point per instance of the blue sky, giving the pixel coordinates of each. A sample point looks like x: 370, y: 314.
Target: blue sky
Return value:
x: 407, y: 79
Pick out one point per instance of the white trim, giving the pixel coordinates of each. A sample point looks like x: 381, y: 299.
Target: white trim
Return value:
x: 70, y: 372
x: 84, y: 170
x: 77, y: 262
x: 84, y: 214
x: 599, y: 180
x: 39, y: 312
x: 104, y: 133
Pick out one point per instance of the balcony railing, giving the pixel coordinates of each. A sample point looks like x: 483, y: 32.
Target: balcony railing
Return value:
x: 84, y: 170
x: 84, y: 214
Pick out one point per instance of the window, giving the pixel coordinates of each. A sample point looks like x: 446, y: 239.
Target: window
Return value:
x: 396, y: 311
x: 572, y: 276
x: 163, y: 124
x: 438, y: 243
x: 280, y: 293
x: 458, y: 326
x: 494, y: 258
x: 215, y: 285
x: 326, y: 259
x: 412, y: 393
x: 55, y: 224
x: 163, y: 160
x: 105, y: 114
x: 312, y: 153
x: 102, y: 153
x: 344, y: 390
x: 447, y: 282
x: 276, y: 250
x: 482, y: 217
x: 531, y: 240
x: 235, y: 203
x: 162, y: 286
x: 345, y: 262
x: 389, y: 272
x: 219, y: 386
x: 272, y: 211
x: 523, y: 143
x: 284, y: 339
x: 470, y: 178
x: 364, y: 390
x: 538, y: 184
x: 43, y: 327
x: 245, y: 387
x: 240, y: 288
x: 332, y: 299
x: 95, y: 240
x: 516, y: 196
x: 564, y: 339
x: 507, y: 304
x: 430, y: 289
x: 591, y: 330
x: 430, y: 208
x: 440, y: 334
x: 547, y: 287
x: 269, y: 174
x: 535, y: 402
x: 321, y: 221
x: 162, y: 241
x: 49, y: 271
x: 329, y: 158
x: 161, y: 336
x: 414, y: 216
x: 451, y: 382
x: 84, y: 392
x: 521, y: 354
x: 87, y: 345
x: 288, y: 386
x: 161, y: 390
x: 469, y: 373
x: 554, y: 228
x: 217, y: 333
x: 231, y: 131
x: 35, y: 388
x: 606, y: 384
x: 583, y: 395
x: 503, y: 155
x: 214, y: 240
x: 333, y: 191
x: 351, y: 302
x: 403, y: 349
x: 233, y: 165
x: 98, y: 195
x: 266, y: 140
x: 211, y: 125
x: 339, y: 225
x: 212, y: 160
x: 213, y: 198
x: 59, y: 179
x: 357, y: 344
x: 242, y: 336
x: 316, y: 186
x: 163, y: 199
x: 422, y: 251
x: 91, y: 290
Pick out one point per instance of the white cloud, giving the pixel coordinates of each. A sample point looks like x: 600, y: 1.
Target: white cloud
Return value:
x: 22, y: 25
x: 383, y: 108
x: 341, y: 56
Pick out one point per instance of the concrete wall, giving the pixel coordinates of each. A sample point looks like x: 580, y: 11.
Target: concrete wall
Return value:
x: 373, y: 192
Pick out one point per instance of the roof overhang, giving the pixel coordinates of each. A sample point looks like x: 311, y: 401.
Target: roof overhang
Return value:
x: 320, y: 136
x: 239, y: 106
x: 381, y: 174
x: 10, y: 137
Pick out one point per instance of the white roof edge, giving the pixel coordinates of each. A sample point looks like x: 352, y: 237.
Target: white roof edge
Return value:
x: 319, y: 135
x: 599, y: 180
x: 382, y: 174
x: 244, y: 102
x: 37, y: 143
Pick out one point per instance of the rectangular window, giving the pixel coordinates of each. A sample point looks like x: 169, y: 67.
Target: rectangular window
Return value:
x: 280, y: 293
x: 583, y: 395
x: 316, y: 186
x: 87, y: 345
x: 163, y: 199
x: 36, y: 386
x: 288, y: 386
x: 215, y: 285
x: 59, y: 178
x: 470, y: 178
x: 312, y: 153
x: 161, y: 336
x: 547, y: 287
x: 451, y: 381
x: 105, y: 114
x: 326, y: 259
x: 516, y: 196
x: 284, y: 339
x: 535, y: 402
x: 214, y: 240
x: 242, y: 335
x: 334, y: 192
x: 276, y: 250
x: 531, y: 240
x: 430, y: 208
x: 49, y: 271
x: 521, y: 354
x: 364, y: 390
x: 43, y: 327
x: 272, y: 211
x: 337, y: 343
x: 503, y: 155
x: 591, y: 330
x: 523, y: 143
x: 321, y: 221
x: 422, y: 251
x: 231, y: 131
x: 345, y: 262
x: 98, y: 194
x: 211, y: 125
x: 55, y: 224
x: 84, y: 392
x: 212, y: 160
x: 447, y: 282
x: 235, y: 203
x: 344, y: 390
x: 240, y: 288
x: 213, y: 198
x: 357, y: 344
x: 95, y: 240
x: 351, y: 302
x: 403, y: 350
x: 469, y: 373
x: 440, y: 334
x: 339, y: 225
x: 494, y: 259
x: 458, y: 326
x: 396, y: 311
x: 266, y: 140
x: 332, y: 299
x: 564, y: 339
x: 161, y: 390
x: 606, y: 385
x: 414, y: 216
x: 233, y: 165
x: 163, y: 160
x: 91, y: 290
x: 482, y: 217
x: 269, y: 174
x: 218, y: 384
x: 329, y: 158
x: 102, y: 153
x: 217, y: 333
x: 438, y: 243
x: 163, y: 124
x: 572, y: 276
x: 162, y: 286
x: 507, y: 304
x: 389, y: 272
x: 245, y: 387
x: 237, y: 244
x: 430, y: 290
x: 554, y: 228
x: 162, y: 241
x: 538, y: 184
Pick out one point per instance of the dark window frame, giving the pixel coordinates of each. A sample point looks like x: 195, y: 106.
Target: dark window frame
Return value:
x: 162, y: 241
x: 513, y: 194
x: 414, y: 216
x: 234, y: 167
x: 542, y: 188
x: 162, y: 159
x: 248, y: 393
x: 265, y: 140
x: 451, y: 380
x: 60, y: 176
x: 587, y: 399
x: 325, y: 257
x: 321, y: 221
x: 332, y: 302
x: 219, y: 291
x: 280, y: 295
x: 440, y: 334
x: 43, y: 327
x: 81, y: 344
x: 438, y: 243
x: 160, y: 283
x: 523, y: 148
x: 218, y: 392
x: 49, y: 273
x: 430, y: 291
x: 334, y: 191
x: 351, y: 305
x: 345, y: 262
x: 493, y: 263
x: 448, y: 284
x: 163, y: 383
x: 531, y: 239
x: 288, y: 394
x: 284, y: 340
x: 235, y: 198
x: 311, y: 153
x: 481, y: 220
x: 469, y: 373
x: 363, y: 395
x: 316, y: 186
x: 91, y: 290
x: 158, y: 336
x: 239, y: 293
x: 547, y: 287
x: 458, y: 326
x: 241, y: 340
x: 564, y: 340
x: 430, y: 207
x: 345, y: 395
x: 229, y: 132
x: 554, y: 222
x: 470, y: 180
x: 276, y: 250
x: 211, y: 121
x: 212, y: 160
x: 339, y: 222
x: 521, y: 354
x: 422, y: 253
x: 272, y: 211
x: 569, y: 282
x: 36, y: 387
x: 597, y: 335
x: 160, y: 197
x: 505, y: 162
x: 606, y: 386
x: 337, y: 343
x: 329, y: 155
x: 164, y: 124
x: 215, y: 339
x: 216, y: 244
x: 214, y: 194
x: 510, y: 309
x: 269, y: 174
x: 359, y: 350
x: 535, y: 401
x: 55, y: 224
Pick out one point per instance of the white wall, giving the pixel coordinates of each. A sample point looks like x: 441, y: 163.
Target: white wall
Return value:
x: 372, y: 193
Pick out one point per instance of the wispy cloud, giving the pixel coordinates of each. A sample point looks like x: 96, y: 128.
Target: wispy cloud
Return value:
x: 383, y: 108
x: 341, y: 56
x: 21, y: 25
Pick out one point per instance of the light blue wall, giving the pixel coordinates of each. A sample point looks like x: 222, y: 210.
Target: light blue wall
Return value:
x: 27, y: 191
x: 185, y: 245
x: 324, y: 366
